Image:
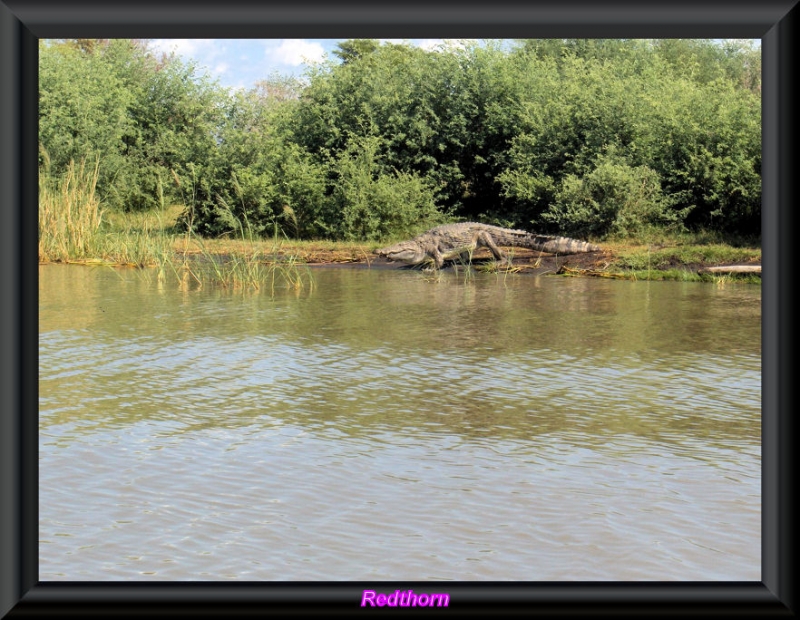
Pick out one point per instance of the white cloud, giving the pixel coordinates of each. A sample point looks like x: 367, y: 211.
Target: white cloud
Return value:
x: 430, y: 44
x: 426, y: 44
x: 458, y: 44
x: 295, y: 52
x: 184, y: 47
x: 220, y: 68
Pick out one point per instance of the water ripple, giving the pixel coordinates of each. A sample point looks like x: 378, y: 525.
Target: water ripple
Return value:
x: 395, y: 428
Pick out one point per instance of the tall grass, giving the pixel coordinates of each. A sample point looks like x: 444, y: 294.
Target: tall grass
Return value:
x: 69, y: 213
x: 250, y: 265
x: 252, y: 268
x: 73, y: 225
x: 74, y: 228
x: 140, y: 246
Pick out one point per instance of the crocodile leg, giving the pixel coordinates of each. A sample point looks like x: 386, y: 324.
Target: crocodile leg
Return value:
x: 485, y: 239
x: 438, y: 258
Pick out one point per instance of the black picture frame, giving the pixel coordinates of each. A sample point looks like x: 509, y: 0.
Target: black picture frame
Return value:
x: 22, y: 22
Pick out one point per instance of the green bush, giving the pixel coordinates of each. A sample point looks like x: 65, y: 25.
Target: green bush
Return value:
x: 699, y: 136
x: 576, y: 136
x: 256, y: 175
x: 613, y: 199
x: 370, y: 204
x: 83, y: 115
x: 141, y: 115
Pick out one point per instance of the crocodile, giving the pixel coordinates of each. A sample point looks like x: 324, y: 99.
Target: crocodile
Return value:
x: 462, y: 239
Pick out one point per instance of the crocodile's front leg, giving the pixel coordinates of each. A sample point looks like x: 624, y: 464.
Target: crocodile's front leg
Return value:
x: 438, y: 257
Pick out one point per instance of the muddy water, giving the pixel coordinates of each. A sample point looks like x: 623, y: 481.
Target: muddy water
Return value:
x: 393, y: 426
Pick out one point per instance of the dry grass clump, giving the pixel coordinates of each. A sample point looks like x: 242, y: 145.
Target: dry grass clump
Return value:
x: 69, y: 213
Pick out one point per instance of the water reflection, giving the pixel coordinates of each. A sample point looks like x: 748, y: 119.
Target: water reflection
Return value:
x: 581, y: 411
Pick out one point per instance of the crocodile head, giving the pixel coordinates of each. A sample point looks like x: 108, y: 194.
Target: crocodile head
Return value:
x: 406, y: 251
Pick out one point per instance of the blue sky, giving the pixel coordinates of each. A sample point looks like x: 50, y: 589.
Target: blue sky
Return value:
x: 239, y: 63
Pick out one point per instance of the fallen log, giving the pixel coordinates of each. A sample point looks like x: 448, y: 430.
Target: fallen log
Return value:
x: 732, y: 269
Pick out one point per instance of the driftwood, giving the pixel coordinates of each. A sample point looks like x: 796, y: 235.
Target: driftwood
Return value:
x: 754, y: 269
x: 733, y: 269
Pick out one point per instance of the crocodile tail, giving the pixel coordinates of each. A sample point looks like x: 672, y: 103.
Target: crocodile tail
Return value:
x: 561, y: 245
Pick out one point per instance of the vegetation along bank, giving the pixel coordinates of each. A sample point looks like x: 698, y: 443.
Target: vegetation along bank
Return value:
x: 649, y: 148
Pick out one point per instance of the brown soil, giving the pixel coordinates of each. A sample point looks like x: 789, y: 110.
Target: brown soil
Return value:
x: 359, y: 256
x: 523, y: 260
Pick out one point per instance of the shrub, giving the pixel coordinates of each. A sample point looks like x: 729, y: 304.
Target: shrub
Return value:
x: 614, y: 198
x: 257, y: 175
x: 369, y: 203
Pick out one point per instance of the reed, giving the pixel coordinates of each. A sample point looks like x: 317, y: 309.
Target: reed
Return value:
x: 73, y: 228
x: 139, y: 246
x: 252, y: 265
x: 69, y: 213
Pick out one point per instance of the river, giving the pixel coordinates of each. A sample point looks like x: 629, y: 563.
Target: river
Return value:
x: 389, y: 424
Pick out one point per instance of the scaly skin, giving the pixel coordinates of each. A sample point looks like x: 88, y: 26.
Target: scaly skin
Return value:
x: 451, y: 240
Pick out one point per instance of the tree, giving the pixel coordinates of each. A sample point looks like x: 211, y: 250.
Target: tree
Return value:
x: 142, y: 116
x: 353, y: 50
x: 596, y: 136
x: 83, y: 111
